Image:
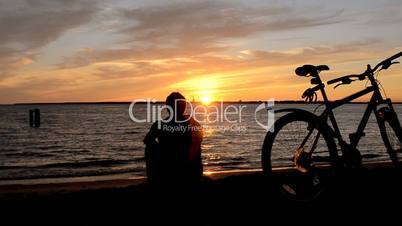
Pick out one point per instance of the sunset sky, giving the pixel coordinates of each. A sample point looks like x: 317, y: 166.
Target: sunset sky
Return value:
x: 120, y: 50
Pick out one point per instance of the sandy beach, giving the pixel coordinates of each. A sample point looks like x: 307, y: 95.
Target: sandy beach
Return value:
x: 364, y: 196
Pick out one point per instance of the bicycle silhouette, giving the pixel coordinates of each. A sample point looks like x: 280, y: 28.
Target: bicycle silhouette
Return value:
x: 307, y: 141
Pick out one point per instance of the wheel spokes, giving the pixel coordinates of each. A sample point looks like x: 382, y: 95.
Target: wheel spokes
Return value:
x: 299, y: 144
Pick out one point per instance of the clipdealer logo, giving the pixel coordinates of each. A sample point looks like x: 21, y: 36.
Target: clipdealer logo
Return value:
x: 209, y: 115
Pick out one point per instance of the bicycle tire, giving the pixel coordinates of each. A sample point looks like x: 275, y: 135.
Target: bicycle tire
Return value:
x: 267, y: 151
x: 391, y: 133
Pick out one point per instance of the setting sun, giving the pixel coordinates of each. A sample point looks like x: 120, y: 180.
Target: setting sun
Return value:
x: 206, y: 100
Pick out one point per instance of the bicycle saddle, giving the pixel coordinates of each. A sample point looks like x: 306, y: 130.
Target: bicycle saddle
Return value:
x: 312, y: 70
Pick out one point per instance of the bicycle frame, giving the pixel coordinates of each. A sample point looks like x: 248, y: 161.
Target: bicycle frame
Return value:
x: 375, y: 101
x: 351, y: 156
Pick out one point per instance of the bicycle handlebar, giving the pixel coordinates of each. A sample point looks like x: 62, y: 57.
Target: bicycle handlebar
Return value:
x: 385, y: 64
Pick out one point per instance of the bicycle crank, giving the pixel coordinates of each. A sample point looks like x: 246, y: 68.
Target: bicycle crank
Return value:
x: 302, y: 160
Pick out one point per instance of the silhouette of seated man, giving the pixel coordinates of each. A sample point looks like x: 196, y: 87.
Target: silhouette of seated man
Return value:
x: 173, y: 148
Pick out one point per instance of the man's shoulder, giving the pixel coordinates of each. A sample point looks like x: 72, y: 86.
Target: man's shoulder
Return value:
x: 196, y: 129
x: 193, y: 122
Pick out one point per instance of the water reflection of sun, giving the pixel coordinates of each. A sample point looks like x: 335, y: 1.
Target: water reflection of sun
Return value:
x: 208, y: 131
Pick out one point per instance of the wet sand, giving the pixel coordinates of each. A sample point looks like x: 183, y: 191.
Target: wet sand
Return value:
x: 368, y: 195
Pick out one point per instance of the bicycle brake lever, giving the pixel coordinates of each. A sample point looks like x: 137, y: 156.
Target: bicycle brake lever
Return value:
x: 309, y: 95
x: 312, y: 98
x: 338, y: 85
x: 346, y: 81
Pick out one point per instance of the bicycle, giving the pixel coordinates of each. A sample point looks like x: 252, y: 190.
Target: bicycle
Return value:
x: 310, y: 138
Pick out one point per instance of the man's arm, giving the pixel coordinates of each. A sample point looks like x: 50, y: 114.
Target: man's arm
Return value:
x: 151, y: 155
x: 151, y: 136
x: 196, y: 140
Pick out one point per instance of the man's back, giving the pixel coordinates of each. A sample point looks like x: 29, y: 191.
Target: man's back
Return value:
x: 173, y: 151
x: 173, y: 145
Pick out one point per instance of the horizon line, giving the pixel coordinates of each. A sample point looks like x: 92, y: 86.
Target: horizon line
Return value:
x: 161, y: 102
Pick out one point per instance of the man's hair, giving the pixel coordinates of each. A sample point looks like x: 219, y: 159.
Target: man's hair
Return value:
x: 170, y: 100
x: 174, y: 99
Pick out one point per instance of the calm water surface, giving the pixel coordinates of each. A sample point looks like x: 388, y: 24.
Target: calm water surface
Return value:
x: 98, y: 139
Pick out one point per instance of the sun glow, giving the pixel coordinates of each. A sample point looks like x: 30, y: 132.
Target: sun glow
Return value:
x: 206, y: 100
x: 203, y: 90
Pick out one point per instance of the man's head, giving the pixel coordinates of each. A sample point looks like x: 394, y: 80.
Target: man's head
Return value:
x: 177, y: 102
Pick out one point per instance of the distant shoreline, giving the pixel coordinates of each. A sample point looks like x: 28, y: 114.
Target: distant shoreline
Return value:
x: 162, y: 102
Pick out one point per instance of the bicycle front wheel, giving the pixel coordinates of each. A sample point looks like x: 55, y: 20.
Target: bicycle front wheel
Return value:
x: 391, y: 133
x: 303, y: 151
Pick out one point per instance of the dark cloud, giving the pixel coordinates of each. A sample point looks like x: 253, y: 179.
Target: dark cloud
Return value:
x: 27, y: 25
x: 195, y: 28
x: 191, y: 22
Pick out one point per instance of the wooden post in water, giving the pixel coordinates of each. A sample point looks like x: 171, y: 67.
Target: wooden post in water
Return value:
x: 31, y: 118
x: 34, y: 118
x: 37, y: 117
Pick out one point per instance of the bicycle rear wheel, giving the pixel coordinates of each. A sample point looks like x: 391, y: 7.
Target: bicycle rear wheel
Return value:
x: 303, y: 149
